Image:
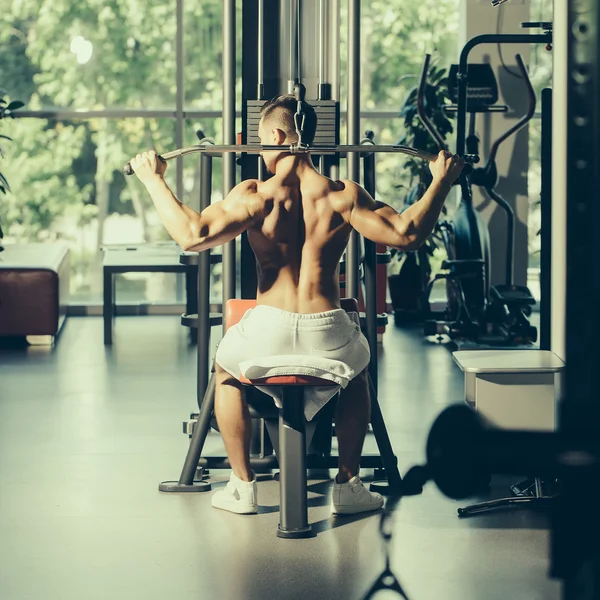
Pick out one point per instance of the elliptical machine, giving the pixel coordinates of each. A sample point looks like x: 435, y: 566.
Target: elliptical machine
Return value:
x: 475, y: 310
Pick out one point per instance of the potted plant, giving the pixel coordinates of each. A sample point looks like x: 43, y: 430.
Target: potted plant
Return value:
x: 6, y: 110
x: 411, y: 271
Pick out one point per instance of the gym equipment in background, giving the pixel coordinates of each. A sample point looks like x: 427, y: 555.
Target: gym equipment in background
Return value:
x: 478, y: 314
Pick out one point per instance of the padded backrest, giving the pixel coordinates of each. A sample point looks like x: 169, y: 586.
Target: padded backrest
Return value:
x: 235, y: 309
x: 349, y: 304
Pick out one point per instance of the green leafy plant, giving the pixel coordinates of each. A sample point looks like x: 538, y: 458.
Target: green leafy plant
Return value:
x: 6, y: 111
x: 437, y: 95
x: 415, y: 267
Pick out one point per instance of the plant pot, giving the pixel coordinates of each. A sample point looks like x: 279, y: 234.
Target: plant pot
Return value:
x: 407, y: 290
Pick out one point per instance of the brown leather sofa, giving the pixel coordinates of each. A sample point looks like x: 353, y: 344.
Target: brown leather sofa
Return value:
x: 34, y: 289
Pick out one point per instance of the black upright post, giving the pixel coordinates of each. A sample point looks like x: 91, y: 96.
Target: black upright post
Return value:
x: 250, y: 56
x: 253, y: 89
x: 371, y: 275
x: 576, y: 521
x: 546, y: 224
x: 204, y: 285
x: 353, y: 120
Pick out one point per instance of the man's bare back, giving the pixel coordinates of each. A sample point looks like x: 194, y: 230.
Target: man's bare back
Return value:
x: 299, y: 242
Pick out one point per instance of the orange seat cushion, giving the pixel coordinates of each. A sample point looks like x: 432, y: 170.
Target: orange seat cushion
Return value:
x: 287, y: 380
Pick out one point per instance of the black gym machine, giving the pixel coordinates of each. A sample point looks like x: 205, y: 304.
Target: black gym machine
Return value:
x: 478, y: 314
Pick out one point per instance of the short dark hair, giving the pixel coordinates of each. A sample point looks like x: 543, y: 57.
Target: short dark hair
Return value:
x: 282, y: 109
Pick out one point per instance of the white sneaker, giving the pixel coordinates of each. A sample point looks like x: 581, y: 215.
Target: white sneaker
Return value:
x: 238, y: 496
x: 353, y: 497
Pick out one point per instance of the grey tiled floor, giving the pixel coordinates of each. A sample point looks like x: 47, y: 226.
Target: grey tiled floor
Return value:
x: 86, y: 434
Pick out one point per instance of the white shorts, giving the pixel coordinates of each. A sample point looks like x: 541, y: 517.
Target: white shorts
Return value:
x: 271, y: 342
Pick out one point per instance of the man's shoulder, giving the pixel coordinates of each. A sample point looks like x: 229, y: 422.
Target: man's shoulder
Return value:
x: 252, y: 192
x: 348, y: 186
x: 348, y: 191
x: 248, y: 186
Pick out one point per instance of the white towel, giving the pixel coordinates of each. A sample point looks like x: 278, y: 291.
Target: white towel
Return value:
x: 269, y: 342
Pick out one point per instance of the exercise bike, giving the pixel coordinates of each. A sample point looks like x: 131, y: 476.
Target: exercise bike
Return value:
x: 476, y: 311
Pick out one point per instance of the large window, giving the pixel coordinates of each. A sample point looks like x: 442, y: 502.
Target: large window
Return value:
x: 396, y: 36
x: 100, y: 82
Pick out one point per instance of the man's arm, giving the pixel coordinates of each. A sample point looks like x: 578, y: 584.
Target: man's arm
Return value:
x: 404, y: 231
x: 218, y: 224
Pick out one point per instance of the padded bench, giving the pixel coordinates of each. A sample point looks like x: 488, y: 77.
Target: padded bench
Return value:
x: 34, y: 291
x: 513, y: 389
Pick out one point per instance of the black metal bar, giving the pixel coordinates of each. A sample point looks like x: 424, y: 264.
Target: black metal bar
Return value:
x: 313, y: 461
x: 388, y: 458
x: 222, y: 462
x: 108, y: 306
x: 292, y: 461
x: 546, y: 224
x: 294, y: 149
x: 353, y: 160
x: 462, y: 78
x: 180, y: 90
x: 201, y: 430
x: 371, y: 275
x: 292, y: 7
x: 324, y: 87
x: 510, y: 235
x: 191, y: 299
x: 580, y: 409
x: 261, y: 46
x: 204, y: 270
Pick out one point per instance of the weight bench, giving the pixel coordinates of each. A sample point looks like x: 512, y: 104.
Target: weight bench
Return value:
x: 290, y: 436
x: 290, y: 446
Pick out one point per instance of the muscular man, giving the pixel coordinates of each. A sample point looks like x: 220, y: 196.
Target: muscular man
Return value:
x: 298, y: 225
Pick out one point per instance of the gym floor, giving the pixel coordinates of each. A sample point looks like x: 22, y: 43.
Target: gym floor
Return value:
x: 87, y: 433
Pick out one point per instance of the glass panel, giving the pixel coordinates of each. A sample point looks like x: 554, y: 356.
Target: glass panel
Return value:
x: 203, y: 39
x: 540, y: 72
x: 391, y: 59
x: 67, y: 184
x: 535, y: 215
x: 396, y: 41
x: 90, y: 55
